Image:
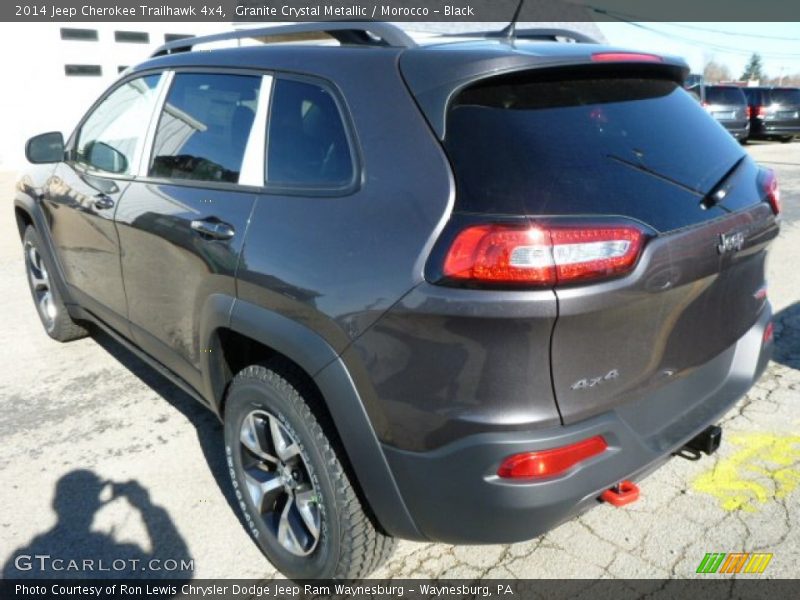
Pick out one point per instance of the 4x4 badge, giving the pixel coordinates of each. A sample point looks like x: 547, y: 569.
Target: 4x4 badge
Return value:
x: 583, y: 384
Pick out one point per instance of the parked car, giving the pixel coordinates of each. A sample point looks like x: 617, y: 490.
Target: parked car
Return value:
x: 728, y: 105
x: 774, y: 112
x: 452, y: 292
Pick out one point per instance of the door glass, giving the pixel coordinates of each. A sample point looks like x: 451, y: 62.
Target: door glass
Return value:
x: 204, y: 127
x: 112, y: 136
x: 307, y: 143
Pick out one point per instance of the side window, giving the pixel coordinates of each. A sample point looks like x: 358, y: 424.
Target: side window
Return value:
x: 204, y: 127
x: 112, y: 136
x: 306, y: 141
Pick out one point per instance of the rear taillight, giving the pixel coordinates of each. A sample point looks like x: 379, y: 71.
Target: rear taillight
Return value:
x: 549, y: 463
x: 625, y: 57
x: 771, y: 189
x: 512, y: 254
x: 756, y: 111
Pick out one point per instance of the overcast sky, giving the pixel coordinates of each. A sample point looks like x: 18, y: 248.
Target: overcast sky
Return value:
x: 728, y: 43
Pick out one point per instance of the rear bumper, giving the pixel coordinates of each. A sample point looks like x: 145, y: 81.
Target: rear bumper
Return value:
x: 737, y: 130
x: 455, y: 496
x: 767, y: 129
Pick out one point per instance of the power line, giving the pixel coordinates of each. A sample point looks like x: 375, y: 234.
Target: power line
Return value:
x: 719, y: 47
x: 627, y: 17
x: 733, y: 33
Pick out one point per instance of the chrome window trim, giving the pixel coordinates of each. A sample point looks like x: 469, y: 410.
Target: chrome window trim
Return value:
x: 253, y: 170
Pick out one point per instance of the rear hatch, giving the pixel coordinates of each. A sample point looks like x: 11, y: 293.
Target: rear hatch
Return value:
x: 602, y: 145
x: 783, y: 110
x: 728, y: 105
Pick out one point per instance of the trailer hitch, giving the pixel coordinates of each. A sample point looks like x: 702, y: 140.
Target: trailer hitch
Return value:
x: 706, y: 442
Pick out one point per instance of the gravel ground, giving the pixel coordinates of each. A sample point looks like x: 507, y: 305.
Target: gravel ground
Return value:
x: 75, y: 416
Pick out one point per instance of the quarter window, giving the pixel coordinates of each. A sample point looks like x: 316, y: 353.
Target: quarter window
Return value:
x: 205, y: 126
x: 307, y: 143
x: 112, y: 135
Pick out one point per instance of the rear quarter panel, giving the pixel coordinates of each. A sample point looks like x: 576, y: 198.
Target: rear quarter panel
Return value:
x: 336, y: 263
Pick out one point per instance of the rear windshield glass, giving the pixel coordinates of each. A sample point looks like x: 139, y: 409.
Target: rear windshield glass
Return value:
x: 583, y: 145
x: 785, y: 96
x: 725, y: 95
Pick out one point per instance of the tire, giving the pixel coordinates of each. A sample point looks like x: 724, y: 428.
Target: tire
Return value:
x: 786, y: 139
x: 268, y: 414
x: 49, y: 305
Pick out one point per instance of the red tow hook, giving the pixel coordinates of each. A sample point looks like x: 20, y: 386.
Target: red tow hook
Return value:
x: 621, y: 494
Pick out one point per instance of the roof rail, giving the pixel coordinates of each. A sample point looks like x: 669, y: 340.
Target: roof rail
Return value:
x: 371, y: 33
x: 533, y: 34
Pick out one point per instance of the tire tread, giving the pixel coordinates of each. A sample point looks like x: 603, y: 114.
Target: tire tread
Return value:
x: 64, y: 328
x: 364, y: 546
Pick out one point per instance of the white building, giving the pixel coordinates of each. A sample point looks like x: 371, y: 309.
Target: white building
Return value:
x: 52, y: 72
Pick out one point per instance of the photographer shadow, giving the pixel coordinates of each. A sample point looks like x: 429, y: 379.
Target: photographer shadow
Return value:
x: 787, y: 336
x: 71, y: 550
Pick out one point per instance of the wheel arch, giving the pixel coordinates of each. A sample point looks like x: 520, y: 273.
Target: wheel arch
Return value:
x: 239, y: 332
x: 23, y: 219
x: 27, y: 213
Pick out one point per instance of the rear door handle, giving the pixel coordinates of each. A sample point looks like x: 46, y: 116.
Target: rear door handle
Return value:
x: 102, y: 202
x: 214, y: 229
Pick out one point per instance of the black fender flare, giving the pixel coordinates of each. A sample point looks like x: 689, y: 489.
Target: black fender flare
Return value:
x: 317, y: 358
x: 30, y: 207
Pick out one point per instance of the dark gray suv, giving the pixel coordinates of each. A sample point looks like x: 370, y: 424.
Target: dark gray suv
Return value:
x: 774, y: 112
x: 728, y: 105
x: 455, y: 292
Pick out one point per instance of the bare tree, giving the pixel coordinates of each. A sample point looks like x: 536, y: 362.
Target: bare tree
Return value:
x: 788, y: 80
x: 715, y: 72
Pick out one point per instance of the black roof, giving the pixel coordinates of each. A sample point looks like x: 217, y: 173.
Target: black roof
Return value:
x: 434, y: 72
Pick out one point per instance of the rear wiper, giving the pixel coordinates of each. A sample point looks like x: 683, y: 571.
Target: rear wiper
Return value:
x: 718, y: 192
x: 649, y: 171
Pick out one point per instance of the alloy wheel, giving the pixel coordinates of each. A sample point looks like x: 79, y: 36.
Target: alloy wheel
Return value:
x: 40, y: 284
x: 279, y: 483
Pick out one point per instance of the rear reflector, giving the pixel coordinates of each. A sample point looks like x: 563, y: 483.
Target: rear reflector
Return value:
x: 549, y: 463
x: 625, y: 57
x: 513, y: 254
x: 769, y: 183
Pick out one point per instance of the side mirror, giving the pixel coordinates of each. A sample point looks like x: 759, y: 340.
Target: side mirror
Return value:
x: 45, y: 148
x: 104, y: 157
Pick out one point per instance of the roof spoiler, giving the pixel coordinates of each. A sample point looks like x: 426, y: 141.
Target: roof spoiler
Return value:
x: 549, y: 35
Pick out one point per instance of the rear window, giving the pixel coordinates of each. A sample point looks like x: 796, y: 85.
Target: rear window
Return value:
x: 725, y: 95
x: 788, y: 96
x: 610, y: 145
x: 753, y: 95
